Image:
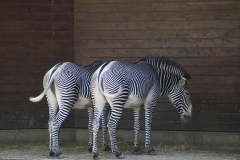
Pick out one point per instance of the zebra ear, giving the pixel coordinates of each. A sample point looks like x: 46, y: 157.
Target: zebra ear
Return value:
x: 182, y: 82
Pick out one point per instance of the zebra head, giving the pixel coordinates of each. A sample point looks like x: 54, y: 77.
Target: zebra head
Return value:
x: 180, y: 98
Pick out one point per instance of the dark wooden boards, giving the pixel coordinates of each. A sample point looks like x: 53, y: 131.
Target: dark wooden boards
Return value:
x: 201, y: 36
x: 34, y: 36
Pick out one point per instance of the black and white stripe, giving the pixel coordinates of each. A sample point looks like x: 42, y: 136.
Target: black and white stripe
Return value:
x: 131, y: 85
x: 66, y: 86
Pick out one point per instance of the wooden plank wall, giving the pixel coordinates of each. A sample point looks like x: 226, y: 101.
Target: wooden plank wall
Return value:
x: 34, y: 36
x: 202, y: 36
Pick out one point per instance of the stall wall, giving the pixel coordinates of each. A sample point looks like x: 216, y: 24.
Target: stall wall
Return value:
x: 34, y: 36
x: 201, y: 36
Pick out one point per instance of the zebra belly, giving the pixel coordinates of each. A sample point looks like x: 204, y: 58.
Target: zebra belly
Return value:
x: 83, y: 103
x: 133, y: 102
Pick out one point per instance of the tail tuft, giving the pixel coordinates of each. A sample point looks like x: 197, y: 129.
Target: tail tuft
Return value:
x: 33, y: 99
x: 38, y: 98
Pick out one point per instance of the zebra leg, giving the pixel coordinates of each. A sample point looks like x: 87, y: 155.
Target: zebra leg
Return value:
x: 136, y: 129
x: 50, y: 129
x: 148, y: 121
x: 59, y: 118
x: 52, y: 104
x: 112, y: 124
x: 90, y: 116
x: 66, y: 102
x: 96, y: 123
x: 105, y: 116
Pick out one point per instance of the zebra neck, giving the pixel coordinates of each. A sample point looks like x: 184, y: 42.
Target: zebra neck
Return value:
x: 166, y: 82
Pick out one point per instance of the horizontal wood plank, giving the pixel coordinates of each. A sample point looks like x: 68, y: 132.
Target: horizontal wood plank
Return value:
x: 30, y: 62
x: 15, y: 80
x: 155, y: 6
x: 36, y: 26
x: 36, y: 36
x: 157, y: 34
x: 208, y: 80
x: 37, y: 45
x: 25, y: 104
x: 165, y: 52
x: 159, y: 43
x: 213, y: 71
x: 33, y: 8
x: 17, y: 52
x: 182, y: 61
x: 36, y: 17
x: 151, y: 1
x: 156, y: 25
x: 36, y: 2
x: 157, y: 16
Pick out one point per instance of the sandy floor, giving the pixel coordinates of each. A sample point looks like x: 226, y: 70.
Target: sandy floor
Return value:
x: 74, y: 151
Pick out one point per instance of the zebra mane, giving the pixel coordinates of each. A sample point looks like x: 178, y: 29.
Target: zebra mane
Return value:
x: 162, y: 63
x: 94, y: 63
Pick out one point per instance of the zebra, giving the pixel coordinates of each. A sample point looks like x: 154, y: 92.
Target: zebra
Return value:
x: 67, y: 86
x: 131, y: 85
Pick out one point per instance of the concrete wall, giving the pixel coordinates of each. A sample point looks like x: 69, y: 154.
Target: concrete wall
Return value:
x: 198, y: 139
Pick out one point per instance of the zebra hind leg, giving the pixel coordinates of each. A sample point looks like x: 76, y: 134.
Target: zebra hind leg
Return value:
x: 53, y: 105
x: 104, y: 129
x: 112, y: 123
x: 105, y: 116
x: 59, y: 118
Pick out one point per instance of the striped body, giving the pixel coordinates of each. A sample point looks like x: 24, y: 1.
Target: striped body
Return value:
x: 131, y: 85
x: 67, y: 87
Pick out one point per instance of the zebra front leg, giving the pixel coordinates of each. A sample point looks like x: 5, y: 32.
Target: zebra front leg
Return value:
x: 105, y: 116
x: 136, y: 130
x: 90, y: 119
x: 148, y: 121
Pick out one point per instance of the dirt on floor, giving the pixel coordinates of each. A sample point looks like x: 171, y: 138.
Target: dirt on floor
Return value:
x: 74, y: 151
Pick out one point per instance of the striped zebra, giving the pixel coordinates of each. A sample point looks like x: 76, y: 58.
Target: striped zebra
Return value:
x: 131, y: 85
x: 67, y: 86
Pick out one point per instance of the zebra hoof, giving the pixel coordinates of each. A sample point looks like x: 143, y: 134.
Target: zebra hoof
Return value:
x: 96, y: 156
x: 137, y: 151
x: 119, y: 155
x: 106, y: 147
x: 59, y: 154
x: 52, y: 154
x: 151, y: 152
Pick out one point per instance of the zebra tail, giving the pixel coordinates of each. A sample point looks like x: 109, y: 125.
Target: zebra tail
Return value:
x: 38, y: 98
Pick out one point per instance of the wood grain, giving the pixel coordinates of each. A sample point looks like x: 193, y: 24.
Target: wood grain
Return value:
x: 201, y: 36
x: 34, y: 36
